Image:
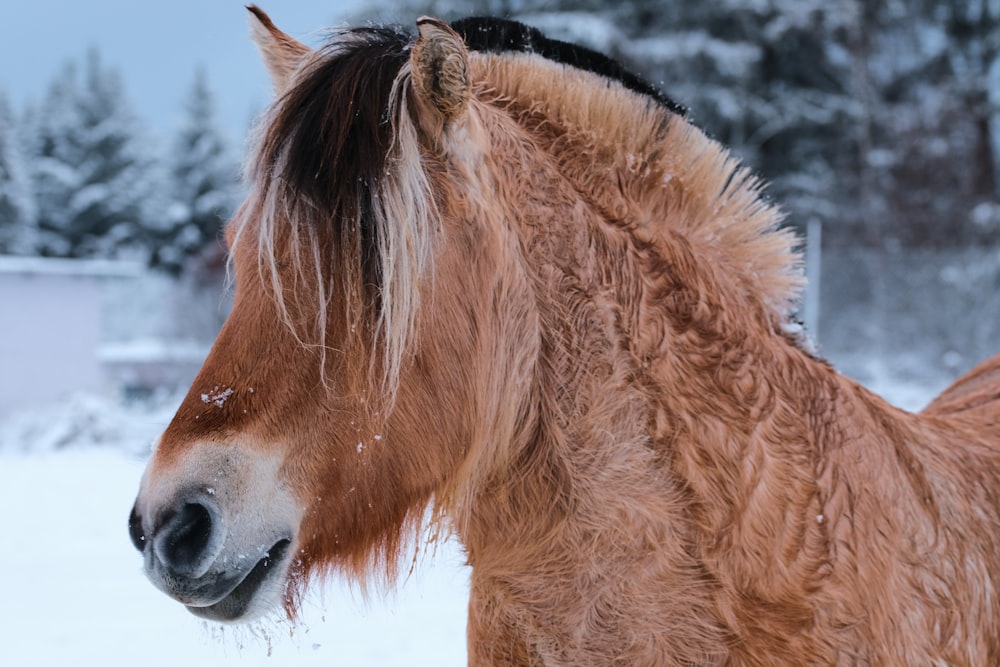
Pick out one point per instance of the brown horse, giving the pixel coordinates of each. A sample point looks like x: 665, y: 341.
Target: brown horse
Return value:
x: 493, y: 275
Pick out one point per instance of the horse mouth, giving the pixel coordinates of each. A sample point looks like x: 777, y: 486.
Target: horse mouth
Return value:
x: 238, y: 601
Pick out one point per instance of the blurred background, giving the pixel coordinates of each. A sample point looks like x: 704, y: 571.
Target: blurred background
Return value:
x: 122, y: 128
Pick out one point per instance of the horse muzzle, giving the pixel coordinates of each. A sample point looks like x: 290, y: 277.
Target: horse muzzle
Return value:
x: 222, y: 548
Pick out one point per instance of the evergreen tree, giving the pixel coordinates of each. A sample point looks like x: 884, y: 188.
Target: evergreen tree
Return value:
x: 17, y: 206
x: 54, y: 159
x: 935, y: 121
x: 204, y: 184
x: 91, y: 176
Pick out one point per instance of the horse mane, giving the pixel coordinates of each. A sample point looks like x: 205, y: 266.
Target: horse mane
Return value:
x: 338, y: 162
x: 654, y: 173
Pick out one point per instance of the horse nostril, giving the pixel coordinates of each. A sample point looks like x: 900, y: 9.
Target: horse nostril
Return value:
x: 183, y: 540
x: 135, y: 530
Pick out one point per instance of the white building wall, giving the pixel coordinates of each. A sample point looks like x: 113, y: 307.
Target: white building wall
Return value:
x: 50, y: 329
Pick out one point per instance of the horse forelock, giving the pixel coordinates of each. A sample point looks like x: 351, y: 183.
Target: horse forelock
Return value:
x: 336, y: 171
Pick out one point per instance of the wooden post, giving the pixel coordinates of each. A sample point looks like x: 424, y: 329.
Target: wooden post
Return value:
x: 814, y: 242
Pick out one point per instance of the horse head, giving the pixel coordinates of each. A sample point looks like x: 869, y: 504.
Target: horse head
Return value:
x: 331, y: 409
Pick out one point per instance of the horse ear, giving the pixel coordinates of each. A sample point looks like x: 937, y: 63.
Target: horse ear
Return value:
x: 440, y: 68
x: 282, y: 54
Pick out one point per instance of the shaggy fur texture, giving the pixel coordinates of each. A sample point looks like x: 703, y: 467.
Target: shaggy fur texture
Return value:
x: 580, y: 304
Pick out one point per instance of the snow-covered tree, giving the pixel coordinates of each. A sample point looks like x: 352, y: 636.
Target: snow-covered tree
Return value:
x: 204, y: 184
x: 934, y: 116
x: 53, y: 161
x: 91, y: 172
x: 17, y: 205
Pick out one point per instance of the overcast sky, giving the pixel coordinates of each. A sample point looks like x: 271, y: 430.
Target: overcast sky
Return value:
x: 156, y: 46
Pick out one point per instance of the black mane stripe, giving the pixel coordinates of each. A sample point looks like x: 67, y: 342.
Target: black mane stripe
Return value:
x: 493, y: 35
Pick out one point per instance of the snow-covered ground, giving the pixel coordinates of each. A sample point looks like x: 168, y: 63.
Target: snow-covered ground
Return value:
x: 74, y: 592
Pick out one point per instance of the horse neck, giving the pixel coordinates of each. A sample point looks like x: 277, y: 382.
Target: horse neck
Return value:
x: 668, y: 413
x: 671, y: 436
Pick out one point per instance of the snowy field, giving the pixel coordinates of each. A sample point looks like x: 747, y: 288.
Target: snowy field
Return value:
x: 74, y: 592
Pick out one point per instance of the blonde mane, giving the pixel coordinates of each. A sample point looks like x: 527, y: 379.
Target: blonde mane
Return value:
x: 661, y: 174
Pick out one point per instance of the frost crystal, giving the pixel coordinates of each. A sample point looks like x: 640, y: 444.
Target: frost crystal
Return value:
x: 217, y: 397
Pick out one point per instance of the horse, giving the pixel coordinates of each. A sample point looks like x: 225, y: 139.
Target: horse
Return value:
x: 492, y: 284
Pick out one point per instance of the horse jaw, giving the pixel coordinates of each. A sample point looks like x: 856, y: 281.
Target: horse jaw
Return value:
x: 229, y: 553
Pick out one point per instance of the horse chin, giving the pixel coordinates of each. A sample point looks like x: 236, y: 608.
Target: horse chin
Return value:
x: 258, y: 592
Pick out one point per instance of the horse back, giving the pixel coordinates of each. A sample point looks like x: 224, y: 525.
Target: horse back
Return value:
x: 975, y: 395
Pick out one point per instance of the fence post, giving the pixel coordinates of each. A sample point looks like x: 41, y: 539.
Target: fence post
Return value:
x: 814, y: 251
